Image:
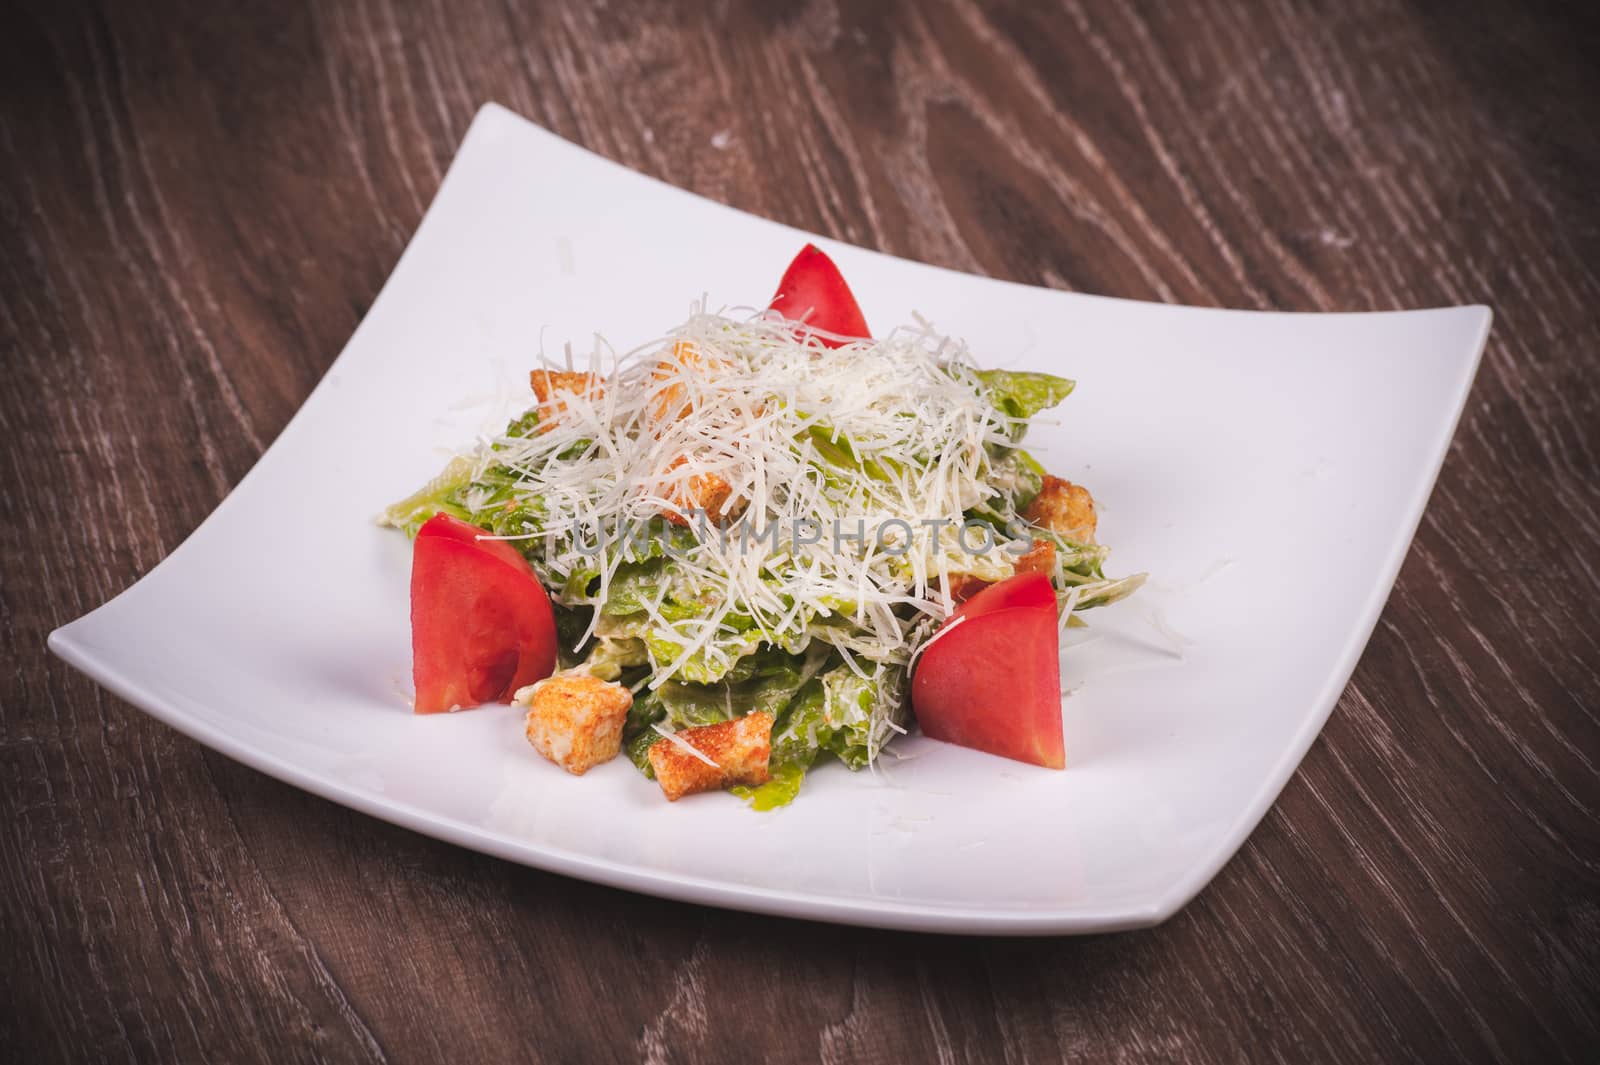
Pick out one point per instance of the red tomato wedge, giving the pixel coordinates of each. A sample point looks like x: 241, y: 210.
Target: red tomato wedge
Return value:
x: 481, y: 623
x: 813, y: 292
x: 992, y: 679
x: 462, y: 532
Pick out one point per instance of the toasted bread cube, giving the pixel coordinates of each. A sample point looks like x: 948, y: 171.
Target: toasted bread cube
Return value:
x: 673, y: 401
x: 1063, y: 507
x: 1040, y: 558
x: 575, y: 720
x: 701, y: 491
x: 550, y: 385
x: 736, y: 752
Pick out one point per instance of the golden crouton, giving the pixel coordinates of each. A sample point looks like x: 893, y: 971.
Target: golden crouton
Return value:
x: 549, y: 385
x: 737, y: 750
x: 575, y: 720
x: 1040, y: 558
x: 673, y: 401
x: 1063, y: 507
x: 701, y: 491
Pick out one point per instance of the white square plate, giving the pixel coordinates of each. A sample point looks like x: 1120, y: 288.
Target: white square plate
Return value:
x: 1268, y: 470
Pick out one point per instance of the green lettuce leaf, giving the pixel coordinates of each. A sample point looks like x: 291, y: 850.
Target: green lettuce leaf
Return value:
x: 1022, y: 394
x: 1020, y: 477
x: 763, y: 681
x: 842, y: 713
x: 637, y: 735
x: 454, y: 491
x: 710, y: 663
x: 571, y: 624
x: 440, y: 494
x: 610, y: 657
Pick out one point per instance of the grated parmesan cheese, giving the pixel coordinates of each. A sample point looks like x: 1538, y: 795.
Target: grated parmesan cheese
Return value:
x: 875, y: 439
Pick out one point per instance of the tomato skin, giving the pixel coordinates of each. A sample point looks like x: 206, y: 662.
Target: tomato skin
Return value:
x: 813, y: 292
x: 481, y: 623
x: 464, y: 532
x: 992, y: 682
x: 1036, y: 592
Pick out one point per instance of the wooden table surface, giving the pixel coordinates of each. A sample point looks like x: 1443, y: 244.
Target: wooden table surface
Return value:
x: 200, y: 200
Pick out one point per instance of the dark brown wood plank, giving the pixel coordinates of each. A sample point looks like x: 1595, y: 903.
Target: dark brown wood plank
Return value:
x: 199, y: 202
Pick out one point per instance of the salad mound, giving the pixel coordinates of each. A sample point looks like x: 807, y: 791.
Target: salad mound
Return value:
x: 755, y: 517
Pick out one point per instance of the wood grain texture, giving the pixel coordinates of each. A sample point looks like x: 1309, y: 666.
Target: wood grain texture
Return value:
x: 198, y: 203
